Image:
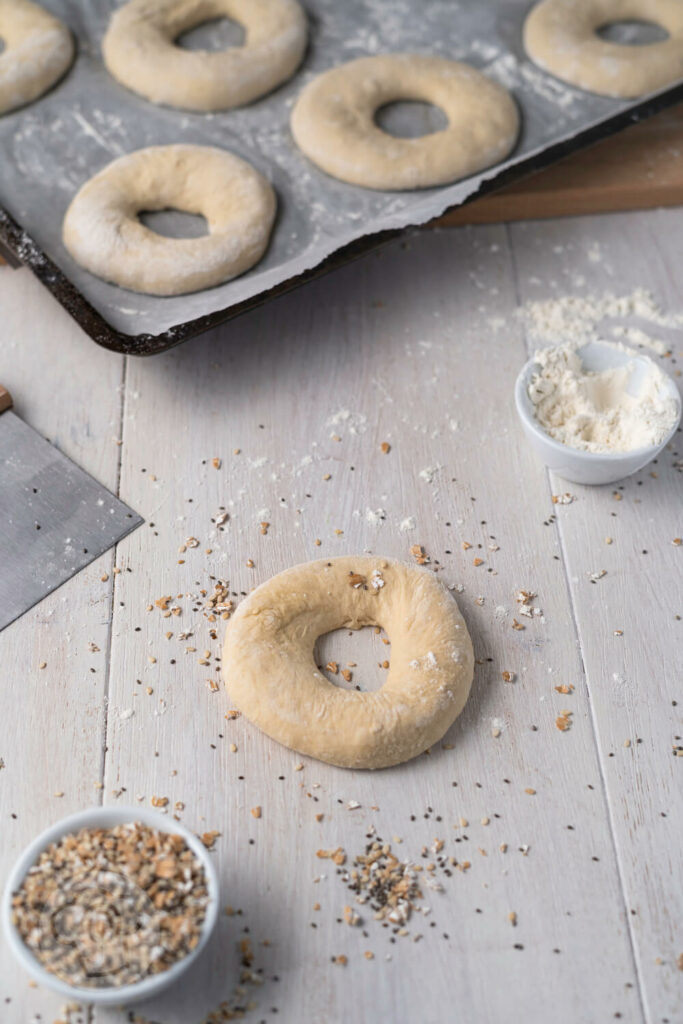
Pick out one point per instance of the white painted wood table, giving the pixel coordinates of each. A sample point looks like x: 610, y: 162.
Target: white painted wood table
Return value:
x: 417, y: 346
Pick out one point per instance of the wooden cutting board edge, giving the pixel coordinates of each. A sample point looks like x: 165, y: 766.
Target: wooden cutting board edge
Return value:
x: 636, y: 169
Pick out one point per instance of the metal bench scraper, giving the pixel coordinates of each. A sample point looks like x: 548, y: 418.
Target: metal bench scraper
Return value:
x: 54, y: 518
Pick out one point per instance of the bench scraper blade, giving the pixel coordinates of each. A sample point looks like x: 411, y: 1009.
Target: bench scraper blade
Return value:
x: 54, y: 518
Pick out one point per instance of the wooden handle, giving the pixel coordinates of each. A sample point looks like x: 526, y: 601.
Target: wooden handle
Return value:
x: 5, y: 399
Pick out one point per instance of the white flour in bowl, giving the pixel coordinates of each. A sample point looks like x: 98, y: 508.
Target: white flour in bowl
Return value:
x: 594, y: 411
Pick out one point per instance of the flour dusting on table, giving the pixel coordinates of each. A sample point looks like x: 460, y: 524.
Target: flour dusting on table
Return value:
x: 582, y: 318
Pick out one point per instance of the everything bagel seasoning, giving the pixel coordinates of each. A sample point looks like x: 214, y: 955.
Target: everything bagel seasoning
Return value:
x: 109, y: 907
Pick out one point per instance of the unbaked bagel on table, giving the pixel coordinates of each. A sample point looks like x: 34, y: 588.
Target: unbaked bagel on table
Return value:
x: 271, y: 675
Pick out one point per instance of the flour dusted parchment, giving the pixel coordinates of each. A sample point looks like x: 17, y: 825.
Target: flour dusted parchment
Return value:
x: 594, y: 411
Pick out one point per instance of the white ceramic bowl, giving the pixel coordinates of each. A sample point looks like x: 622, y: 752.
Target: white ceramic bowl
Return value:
x: 592, y: 467
x: 106, y: 817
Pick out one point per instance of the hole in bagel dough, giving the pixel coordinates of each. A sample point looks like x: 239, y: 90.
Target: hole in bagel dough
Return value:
x: 212, y: 36
x: 410, y: 119
x: 364, y: 646
x: 632, y: 33
x: 2, y: 44
x: 174, y: 223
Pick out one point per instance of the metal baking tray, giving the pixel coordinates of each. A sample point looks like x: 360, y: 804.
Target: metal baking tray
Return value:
x: 51, y: 147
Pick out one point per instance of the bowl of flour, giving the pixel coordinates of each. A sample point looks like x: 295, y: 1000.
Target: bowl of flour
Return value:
x: 596, y: 412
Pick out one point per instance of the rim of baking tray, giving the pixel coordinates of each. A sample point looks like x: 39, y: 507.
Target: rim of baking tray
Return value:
x: 19, y: 248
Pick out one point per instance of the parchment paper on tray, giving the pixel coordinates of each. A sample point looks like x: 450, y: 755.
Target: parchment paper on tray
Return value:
x: 50, y: 148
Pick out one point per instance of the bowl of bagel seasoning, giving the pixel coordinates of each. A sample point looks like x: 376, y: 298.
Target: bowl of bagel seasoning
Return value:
x: 597, y: 412
x: 110, y: 906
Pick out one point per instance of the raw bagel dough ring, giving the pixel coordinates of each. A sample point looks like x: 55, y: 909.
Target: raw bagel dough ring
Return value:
x: 561, y: 37
x: 333, y: 122
x: 139, y: 51
x: 38, y: 50
x: 271, y: 676
x: 102, y: 232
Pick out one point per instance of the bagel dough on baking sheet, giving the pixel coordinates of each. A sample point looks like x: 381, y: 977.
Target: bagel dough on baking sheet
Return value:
x: 333, y: 122
x: 38, y: 50
x: 561, y: 36
x: 102, y: 231
x: 271, y: 676
x: 140, y: 52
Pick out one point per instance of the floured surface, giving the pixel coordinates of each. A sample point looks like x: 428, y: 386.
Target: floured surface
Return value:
x: 596, y: 316
x: 51, y: 148
x: 297, y: 404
